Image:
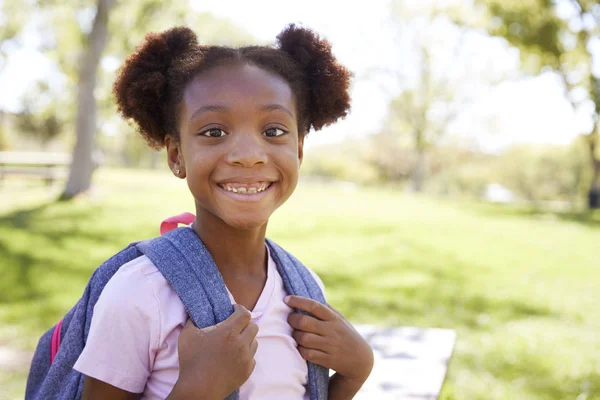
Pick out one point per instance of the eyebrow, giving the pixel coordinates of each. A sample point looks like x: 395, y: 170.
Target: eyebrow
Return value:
x: 213, y: 108
x: 273, y: 107
x: 217, y: 108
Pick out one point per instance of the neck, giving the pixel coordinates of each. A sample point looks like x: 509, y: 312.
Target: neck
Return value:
x: 235, y: 251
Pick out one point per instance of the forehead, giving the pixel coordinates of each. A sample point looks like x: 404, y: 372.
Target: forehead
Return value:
x: 237, y: 86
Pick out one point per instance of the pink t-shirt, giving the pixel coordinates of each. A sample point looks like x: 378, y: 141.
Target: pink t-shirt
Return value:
x: 132, y: 343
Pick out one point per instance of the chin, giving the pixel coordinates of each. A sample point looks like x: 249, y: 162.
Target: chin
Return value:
x: 246, y: 223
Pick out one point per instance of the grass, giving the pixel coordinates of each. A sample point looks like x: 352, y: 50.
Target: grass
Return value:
x: 521, y: 288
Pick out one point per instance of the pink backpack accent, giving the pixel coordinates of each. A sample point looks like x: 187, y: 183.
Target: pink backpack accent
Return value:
x: 55, y: 342
x: 171, y: 223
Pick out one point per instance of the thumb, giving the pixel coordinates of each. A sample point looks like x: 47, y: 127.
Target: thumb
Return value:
x: 238, y: 320
x: 189, y: 324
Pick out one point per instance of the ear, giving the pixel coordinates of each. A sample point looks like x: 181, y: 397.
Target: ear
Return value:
x: 300, y: 149
x: 174, y: 156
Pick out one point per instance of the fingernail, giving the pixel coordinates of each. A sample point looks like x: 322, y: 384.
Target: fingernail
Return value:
x: 286, y: 299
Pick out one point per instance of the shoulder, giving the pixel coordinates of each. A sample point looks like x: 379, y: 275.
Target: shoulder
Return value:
x: 138, y: 286
x: 132, y: 279
x: 127, y: 328
x: 280, y: 251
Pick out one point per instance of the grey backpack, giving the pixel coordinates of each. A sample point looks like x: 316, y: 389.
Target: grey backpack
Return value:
x: 189, y: 268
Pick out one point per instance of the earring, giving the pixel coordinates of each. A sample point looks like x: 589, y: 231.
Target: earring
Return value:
x: 177, y: 171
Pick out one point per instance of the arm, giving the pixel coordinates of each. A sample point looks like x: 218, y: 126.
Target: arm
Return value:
x: 341, y: 388
x: 94, y: 389
x: 123, y: 337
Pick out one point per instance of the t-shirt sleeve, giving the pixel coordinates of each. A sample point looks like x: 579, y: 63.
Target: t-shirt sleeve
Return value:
x: 125, y: 332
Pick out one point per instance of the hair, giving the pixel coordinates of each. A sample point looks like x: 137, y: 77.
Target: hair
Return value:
x: 150, y: 84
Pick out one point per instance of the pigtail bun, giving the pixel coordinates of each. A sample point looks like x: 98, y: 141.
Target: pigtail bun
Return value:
x: 141, y: 87
x: 327, y: 79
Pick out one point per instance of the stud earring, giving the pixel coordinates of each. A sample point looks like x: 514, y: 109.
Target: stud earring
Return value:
x: 177, y: 171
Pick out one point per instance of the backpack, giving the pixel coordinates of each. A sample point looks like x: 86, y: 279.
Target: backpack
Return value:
x: 190, y: 270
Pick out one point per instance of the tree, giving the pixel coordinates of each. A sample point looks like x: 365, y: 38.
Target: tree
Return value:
x: 41, y: 115
x: 82, y: 166
x: 12, y: 19
x: 436, y: 80
x: 558, y: 34
x: 76, y: 37
x: 412, y: 111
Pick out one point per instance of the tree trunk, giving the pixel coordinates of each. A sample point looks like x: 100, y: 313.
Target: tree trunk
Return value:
x: 594, y: 193
x: 3, y: 140
x: 418, y: 172
x: 83, y: 166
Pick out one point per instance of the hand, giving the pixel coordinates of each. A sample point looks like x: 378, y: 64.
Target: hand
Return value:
x: 215, y: 361
x: 327, y: 339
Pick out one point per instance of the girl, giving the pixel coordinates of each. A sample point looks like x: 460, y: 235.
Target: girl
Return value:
x: 233, y: 122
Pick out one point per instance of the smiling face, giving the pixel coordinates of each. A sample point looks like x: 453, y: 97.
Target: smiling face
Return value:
x: 238, y: 145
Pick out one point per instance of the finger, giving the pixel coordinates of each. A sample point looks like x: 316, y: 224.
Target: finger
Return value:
x: 314, y: 356
x: 334, y: 310
x: 306, y: 323
x: 238, y: 320
x: 189, y: 324
x: 189, y: 327
x: 311, y: 341
x: 253, y: 347
x: 311, y: 306
x: 249, y: 333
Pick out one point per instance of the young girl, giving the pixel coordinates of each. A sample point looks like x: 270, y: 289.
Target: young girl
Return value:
x: 233, y: 122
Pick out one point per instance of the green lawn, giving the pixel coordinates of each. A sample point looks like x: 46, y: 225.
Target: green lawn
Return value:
x: 522, y: 289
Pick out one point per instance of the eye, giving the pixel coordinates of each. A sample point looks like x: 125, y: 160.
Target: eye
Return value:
x: 274, y: 132
x: 214, y: 133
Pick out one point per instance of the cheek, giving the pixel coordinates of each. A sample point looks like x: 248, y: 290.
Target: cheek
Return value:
x: 290, y: 160
x: 290, y: 165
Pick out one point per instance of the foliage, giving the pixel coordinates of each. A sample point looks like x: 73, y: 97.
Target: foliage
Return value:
x: 62, y: 28
x: 543, y: 173
x: 344, y: 161
x: 558, y: 34
x: 520, y: 287
x: 43, y: 116
x: 459, y: 172
x: 435, y: 86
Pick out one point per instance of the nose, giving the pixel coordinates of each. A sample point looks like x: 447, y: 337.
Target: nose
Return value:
x: 247, y: 150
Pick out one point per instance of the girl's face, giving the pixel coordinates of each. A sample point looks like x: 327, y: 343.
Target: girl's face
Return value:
x: 238, y: 144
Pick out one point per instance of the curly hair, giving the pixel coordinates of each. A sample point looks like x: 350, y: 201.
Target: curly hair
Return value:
x: 150, y: 85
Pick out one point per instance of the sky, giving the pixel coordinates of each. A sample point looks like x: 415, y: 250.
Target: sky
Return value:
x: 521, y: 110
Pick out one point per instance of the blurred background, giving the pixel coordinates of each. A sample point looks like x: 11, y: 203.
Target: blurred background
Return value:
x: 461, y: 192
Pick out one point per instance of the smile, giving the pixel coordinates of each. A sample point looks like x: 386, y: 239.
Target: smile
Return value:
x: 246, y: 188
x: 246, y: 191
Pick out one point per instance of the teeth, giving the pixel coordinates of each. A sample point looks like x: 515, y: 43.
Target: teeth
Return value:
x: 261, y: 187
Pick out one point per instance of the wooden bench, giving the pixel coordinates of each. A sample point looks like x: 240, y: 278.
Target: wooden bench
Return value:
x: 36, y: 165
x: 410, y: 363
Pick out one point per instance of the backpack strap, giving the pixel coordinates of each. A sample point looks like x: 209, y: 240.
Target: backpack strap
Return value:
x: 185, y: 262
x: 298, y: 280
x: 192, y: 273
x: 181, y: 256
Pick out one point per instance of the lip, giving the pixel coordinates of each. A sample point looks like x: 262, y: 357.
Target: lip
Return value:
x: 253, y: 197
x: 246, y: 180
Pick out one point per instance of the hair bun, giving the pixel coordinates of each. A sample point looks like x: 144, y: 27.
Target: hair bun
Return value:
x: 141, y: 88
x: 328, y: 80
